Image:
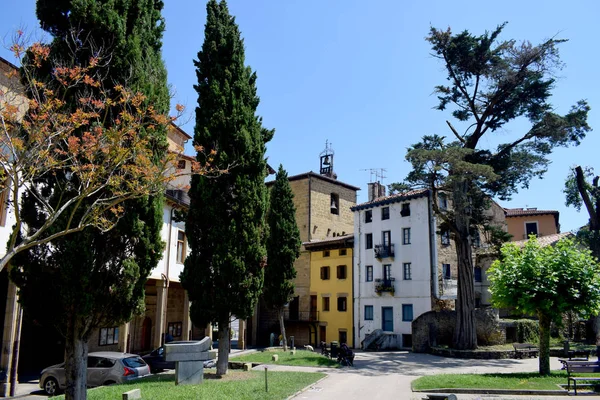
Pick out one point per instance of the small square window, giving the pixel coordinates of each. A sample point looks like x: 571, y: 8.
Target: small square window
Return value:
x: 405, y: 235
x: 385, y: 213
x: 341, y: 272
x: 368, y: 241
x: 407, y: 312
x: 369, y: 273
x: 108, y: 336
x: 181, y: 248
x: 405, y: 212
x: 326, y: 253
x: 442, y: 201
x: 407, y: 271
x: 324, y: 273
x: 446, y: 271
x: 325, y: 303
x: 368, y: 216
x: 174, y: 329
x: 368, y: 313
x: 342, y: 304
x: 343, y: 252
x: 445, y: 237
x: 181, y: 164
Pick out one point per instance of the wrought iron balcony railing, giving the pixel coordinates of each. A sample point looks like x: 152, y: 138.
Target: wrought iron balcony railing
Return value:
x: 384, y: 251
x: 384, y: 285
x: 291, y: 315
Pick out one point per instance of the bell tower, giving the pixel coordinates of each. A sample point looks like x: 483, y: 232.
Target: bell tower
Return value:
x: 326, y: 158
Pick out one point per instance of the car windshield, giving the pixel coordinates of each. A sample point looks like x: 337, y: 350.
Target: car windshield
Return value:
x: 134, y: 362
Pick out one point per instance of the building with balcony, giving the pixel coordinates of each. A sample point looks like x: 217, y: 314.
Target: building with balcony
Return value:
x: 331, y: 288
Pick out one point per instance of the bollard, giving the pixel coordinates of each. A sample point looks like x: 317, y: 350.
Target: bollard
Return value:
x: 266, y: 381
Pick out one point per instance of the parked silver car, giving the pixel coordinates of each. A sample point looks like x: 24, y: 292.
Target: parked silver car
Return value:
x: 103, y: 368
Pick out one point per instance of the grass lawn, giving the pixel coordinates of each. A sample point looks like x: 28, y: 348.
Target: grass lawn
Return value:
x: 302, y: 358
x: 525, y: 381
x: 237, y: 385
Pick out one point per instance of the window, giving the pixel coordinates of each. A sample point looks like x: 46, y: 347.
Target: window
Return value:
x: 325, y: 303
x: 407, y: 271
x: 341, y: 272
x: 405, y: 235
x: 386, y: 238
x: 368, y: 313
x: 109, y: 336
x: 442, y: 201
x: 368, y: 241
x: 407, y: 312
x: 174, y: 329
x: 335, y: 204
x: 343, y: 336
x: 368, y: 216
x: 531, y: 228
x: 181, y: 251
x: 343, y: 252
x: 342, y: 304
x: 325, y: 273
x: 445, y: 237
x: 181, y: 164
x: 385, y: 213
x: 477, y: 273
x: 476, y: 239
x: 405, y: 212
x: 387, y: 272
x: 446, y: 271
x: 326, y: 253
x: 369, y: 273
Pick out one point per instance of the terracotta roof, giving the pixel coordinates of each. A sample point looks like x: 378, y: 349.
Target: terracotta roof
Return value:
x: 312, y: 174
x: 518, y: 212
x: 548, y: 240
x: 394, y: 198
x: 330, y: 242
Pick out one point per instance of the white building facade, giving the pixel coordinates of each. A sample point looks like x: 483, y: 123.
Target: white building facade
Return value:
x: 393, y: 264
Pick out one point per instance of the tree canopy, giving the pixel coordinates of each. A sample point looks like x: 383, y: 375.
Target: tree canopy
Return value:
x: 225, y: 224
x: 283, y: 247
x: 491, y: 82
x: 546, y: 282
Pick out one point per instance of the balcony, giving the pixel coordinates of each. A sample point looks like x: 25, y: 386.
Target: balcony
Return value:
x: 383, y: 251
x: 179, y: 195
x: 385, y: 285
x: 300, y: 316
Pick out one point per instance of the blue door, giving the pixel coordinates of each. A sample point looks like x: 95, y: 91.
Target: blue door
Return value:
x: 387, y: 319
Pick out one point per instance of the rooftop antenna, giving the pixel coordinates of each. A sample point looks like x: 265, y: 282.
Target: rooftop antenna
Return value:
x: 378, y: 173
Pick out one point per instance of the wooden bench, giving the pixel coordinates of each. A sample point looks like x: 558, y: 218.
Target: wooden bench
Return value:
x: 525, y: 349
x: 581, y: 367
x: 575, y: 355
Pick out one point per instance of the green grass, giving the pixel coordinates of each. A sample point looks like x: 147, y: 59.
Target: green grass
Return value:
x: 302, y: 358
x: 237, y: 385
x: 518, y: 381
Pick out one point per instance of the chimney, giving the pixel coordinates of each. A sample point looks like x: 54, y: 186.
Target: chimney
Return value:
x: 376, y: 191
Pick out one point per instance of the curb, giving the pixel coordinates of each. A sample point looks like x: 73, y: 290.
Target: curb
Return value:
x: 306, y: 388
x: 497, y: 391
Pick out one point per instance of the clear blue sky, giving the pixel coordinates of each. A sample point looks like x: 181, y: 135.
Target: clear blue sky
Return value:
x: 360, y: 75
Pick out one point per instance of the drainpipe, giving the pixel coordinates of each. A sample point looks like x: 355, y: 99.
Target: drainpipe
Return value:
x: 358, y: 265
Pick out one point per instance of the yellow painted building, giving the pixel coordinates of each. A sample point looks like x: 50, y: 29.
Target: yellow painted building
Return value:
x: 331, y: 288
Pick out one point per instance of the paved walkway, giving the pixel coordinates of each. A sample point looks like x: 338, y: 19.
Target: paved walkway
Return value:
x: 388, y: 376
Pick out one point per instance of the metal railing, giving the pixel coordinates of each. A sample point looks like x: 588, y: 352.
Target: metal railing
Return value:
x: 300, y: 315
x: 385, y: 285
x: 383, y: 251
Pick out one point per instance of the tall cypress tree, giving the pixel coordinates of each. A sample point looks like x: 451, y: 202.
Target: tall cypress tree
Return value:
x: 283, y: 247
x: 225, y: 224
x: 92, y: 279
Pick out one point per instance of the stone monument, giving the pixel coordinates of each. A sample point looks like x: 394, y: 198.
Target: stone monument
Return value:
x: 189, y: 357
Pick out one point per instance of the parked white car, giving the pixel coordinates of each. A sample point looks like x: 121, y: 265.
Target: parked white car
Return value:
x: 103, y: 368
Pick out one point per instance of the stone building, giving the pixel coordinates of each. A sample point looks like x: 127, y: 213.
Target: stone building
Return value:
x: 322, y: 211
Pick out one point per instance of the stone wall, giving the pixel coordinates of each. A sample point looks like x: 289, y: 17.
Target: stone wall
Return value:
x: 436, y: 328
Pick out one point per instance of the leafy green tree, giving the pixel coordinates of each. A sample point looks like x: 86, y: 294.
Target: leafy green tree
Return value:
x: 491, y: 83
x: 95, y: 278
x: 581, y: 189
x: 283, y: 247
x: 225, y: 223
x: 547, y: 282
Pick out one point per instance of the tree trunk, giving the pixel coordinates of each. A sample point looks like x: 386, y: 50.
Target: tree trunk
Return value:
x: 544, y: 344
x: 76, y: 352
x: 282, y: 327
x: 465, y: 334
x: 223, y: 354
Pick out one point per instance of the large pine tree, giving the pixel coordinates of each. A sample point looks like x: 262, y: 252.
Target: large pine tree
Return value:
x: 283, y: 247
x: 225, y: 223
x: 92, y: 279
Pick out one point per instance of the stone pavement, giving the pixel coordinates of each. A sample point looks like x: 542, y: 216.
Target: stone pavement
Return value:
x: 387, y: 375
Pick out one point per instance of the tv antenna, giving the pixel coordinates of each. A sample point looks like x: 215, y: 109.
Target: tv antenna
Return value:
x: 378, y: 173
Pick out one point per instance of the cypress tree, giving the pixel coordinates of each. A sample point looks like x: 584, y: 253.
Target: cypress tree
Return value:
x: 283, y: 247
x: 225, y: 224
x: 92, y: 279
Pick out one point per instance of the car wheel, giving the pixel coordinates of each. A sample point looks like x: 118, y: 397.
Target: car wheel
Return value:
x: 51, y: 386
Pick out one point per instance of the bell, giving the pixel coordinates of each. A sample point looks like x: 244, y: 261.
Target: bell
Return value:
x: 326, y: 160
x: 333, y: 206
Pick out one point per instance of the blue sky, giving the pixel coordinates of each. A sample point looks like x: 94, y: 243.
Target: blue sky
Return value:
x: 360, y: 75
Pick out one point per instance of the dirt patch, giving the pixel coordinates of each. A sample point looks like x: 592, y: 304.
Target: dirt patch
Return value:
x: 231, y: 375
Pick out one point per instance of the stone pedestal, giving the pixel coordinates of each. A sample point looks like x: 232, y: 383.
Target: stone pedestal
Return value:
x: 189, y: 372
x: 189, y: 357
